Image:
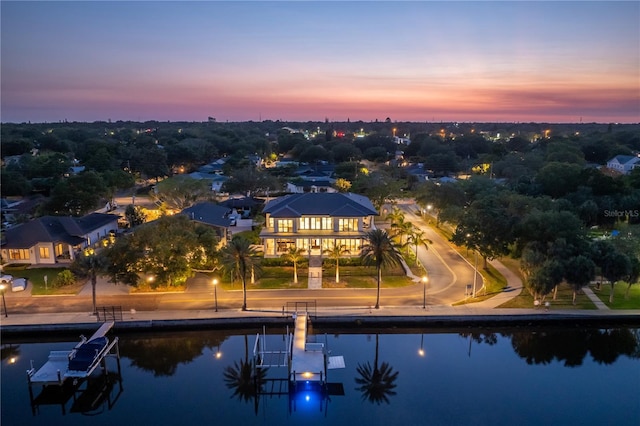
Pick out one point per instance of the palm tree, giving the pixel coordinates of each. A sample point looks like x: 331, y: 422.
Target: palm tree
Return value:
x: 395, y: 215
x: 402, y: 228
x: 334, y: 253
x: 376, y: 383
x: 380, y: 250
x: 295, y: 255
x: 241, y: 256
x: 245, y: 378
x: 417, y: 238
x: 89, y: 265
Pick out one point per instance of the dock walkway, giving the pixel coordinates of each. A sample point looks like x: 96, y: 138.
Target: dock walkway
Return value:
x: 307, y: 359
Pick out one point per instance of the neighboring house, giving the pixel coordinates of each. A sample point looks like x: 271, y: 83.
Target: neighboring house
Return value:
x: 287, y: 162
x: 301, y: 186
x: 216, y: 180
x: 55, y: 239
x: 11, y: 159
x: 74, y: 170
x: 418, y: 171
x: 623, y: 163
x: 214, y: 167
x: 316, y: 222
x: 256, y: 160
x: 213, y: 215
x: 243, y: 205
x: 318, y: 169
x: 399, y: 140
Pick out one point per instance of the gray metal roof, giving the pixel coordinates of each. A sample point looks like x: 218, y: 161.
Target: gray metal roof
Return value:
x: 320, y: 204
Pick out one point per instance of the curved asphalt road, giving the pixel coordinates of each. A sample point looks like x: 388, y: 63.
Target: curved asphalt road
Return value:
x: 449, y: 273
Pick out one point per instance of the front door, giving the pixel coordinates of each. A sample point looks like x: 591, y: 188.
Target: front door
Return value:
x: 315, y: 246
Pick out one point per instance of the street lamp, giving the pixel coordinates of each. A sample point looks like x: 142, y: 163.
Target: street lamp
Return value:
x: 425, y: 280
x: 475, y: 268
x: 4, y: 302
x: 475, y: 274
x: 215, y: 292
x: 421, y: 350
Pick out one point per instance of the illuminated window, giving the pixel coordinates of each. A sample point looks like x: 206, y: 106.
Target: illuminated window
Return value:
x: 315, y: 223
x: 282, y: 245
x: 59, y: 249
x: 285, y: 225
x: 347, y: 224
x: 350, y: 245
x: 18, y: 254
x: 44, y: 252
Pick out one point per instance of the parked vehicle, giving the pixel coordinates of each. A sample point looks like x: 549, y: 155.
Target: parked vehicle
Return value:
x: 16, y: 284
x: 19, y: 284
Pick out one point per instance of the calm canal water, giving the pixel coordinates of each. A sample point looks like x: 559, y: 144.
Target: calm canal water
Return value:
x: 399, y: 377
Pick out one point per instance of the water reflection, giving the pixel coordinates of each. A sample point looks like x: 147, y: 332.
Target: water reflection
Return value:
x: 376, y: 383
x: 245, y: 379
x: 231, y: 390
x: 10, y: 353
x: 572, y: 346
x: 162, y: 353
x: 90, y: 396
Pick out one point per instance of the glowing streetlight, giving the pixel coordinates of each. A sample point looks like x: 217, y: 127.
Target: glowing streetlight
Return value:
x: 215, y: 295
x: 475, y: 269
x: 421, y: 350
x: 425, y: 280
x: 4, y: 302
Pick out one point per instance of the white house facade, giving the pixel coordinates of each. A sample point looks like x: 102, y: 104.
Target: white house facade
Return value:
x: 316, y: 222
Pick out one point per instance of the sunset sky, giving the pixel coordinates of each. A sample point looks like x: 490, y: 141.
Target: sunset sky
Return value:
x: 297, y: 61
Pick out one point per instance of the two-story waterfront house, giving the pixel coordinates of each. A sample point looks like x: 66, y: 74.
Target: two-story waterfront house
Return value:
x: 316, y: 222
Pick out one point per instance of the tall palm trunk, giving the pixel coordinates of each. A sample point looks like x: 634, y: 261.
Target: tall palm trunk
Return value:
x: 243, y: 272
x: 379, y: 280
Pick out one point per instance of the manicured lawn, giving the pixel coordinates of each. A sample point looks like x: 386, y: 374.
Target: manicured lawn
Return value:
x: 564, y: 296
x: 281, y: 277
x: 563, y: 300
x: 36, y: 280
x: 620, y: 301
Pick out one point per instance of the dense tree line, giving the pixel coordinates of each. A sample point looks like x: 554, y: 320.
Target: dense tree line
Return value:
x: 534, y: 190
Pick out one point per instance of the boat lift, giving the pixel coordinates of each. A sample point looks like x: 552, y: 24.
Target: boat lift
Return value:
x: 307, y: 364
x: 59, y: 382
